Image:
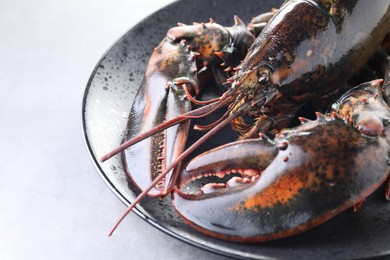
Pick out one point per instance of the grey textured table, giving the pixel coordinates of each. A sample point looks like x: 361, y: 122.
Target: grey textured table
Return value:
x: 53, y: 203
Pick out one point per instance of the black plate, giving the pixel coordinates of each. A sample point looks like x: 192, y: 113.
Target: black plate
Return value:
x: 106, y: 106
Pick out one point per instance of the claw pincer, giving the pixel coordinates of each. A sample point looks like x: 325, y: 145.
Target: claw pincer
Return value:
x: 160, y: 98
x: 307, y: 175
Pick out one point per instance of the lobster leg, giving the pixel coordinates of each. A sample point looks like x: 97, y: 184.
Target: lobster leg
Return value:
x: 302, y: 180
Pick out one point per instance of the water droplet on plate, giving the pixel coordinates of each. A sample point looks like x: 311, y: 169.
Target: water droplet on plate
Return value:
x: 124, y: 115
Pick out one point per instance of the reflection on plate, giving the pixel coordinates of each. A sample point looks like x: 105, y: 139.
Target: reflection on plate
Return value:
x: 107, y: 101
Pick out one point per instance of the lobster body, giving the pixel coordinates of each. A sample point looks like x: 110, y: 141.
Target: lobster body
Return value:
x: 309, y: 49
x: 307, y: 174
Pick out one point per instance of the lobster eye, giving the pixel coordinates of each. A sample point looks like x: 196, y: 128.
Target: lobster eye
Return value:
x: 263, y: 79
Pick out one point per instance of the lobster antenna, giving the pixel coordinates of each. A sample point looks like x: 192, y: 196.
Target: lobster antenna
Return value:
x: 178, y: 160
x: 196, y: 101
x: 212, y: 125
x: 200, y: 112
x: 225, y: 115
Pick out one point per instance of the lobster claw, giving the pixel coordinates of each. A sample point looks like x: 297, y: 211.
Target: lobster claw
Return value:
x: 160, y: 98
x: 171, y: 81
x: 302, y: 180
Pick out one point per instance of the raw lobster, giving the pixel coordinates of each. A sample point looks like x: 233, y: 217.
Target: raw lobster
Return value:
x: 303, y: 56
